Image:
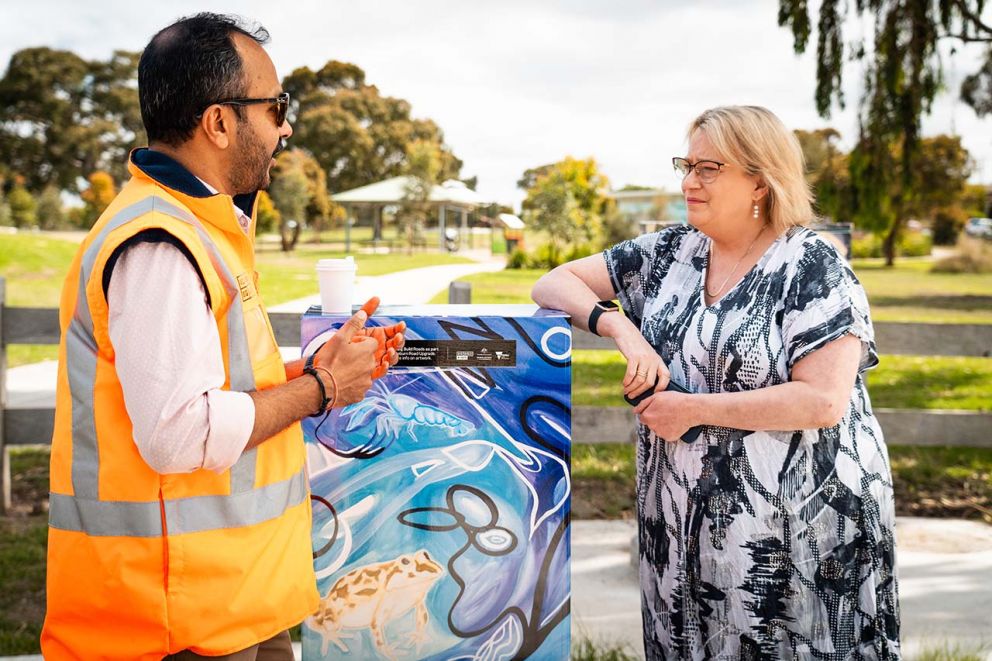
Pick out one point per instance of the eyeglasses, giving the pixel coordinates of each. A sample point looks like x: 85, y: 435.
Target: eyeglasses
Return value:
x: 707, y: 171
x: 281, y: 103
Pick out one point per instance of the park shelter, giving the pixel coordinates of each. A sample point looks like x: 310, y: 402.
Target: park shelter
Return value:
x: 452, y: 201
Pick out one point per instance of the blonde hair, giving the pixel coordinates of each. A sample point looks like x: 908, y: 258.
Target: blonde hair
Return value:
x: 755, y: 139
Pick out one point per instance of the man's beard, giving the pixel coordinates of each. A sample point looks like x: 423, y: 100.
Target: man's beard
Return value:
x: 251, y: 169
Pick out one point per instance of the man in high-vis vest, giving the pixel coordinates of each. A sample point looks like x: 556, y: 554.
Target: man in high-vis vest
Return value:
x: 179, y: 508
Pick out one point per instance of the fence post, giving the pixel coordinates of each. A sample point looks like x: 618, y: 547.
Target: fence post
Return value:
x: 4, y: 456
x: 460, y: 293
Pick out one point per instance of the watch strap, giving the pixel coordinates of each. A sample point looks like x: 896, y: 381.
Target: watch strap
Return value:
x: 598, y: 310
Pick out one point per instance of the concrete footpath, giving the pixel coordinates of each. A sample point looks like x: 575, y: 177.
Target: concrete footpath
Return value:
x: 945, y: 585
x: 408, y: 287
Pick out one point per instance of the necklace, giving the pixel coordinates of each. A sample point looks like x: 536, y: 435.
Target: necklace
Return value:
x: 723, y: 284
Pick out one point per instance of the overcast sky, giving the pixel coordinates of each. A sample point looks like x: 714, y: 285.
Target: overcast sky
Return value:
x: 516, y: 83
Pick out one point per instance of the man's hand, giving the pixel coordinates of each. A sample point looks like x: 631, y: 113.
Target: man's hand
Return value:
x: 668, y: 414
x: 389, y: 340
x: 351, y: 359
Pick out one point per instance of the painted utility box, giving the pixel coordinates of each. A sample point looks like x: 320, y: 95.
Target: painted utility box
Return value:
x: 441, y: 501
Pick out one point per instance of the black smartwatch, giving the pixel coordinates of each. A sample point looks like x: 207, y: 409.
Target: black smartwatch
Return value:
x: 598, y: 310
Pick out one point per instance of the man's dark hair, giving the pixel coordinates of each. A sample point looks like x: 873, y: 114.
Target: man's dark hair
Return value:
x: 186, y: 67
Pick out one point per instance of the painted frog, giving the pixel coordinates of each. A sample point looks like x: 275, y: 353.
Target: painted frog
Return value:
x: 373, y: 595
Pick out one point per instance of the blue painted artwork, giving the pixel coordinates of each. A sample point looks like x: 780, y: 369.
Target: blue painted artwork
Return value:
x: 441, y: 501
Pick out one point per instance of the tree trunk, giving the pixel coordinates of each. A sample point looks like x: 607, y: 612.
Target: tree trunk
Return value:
x: 889, y: 244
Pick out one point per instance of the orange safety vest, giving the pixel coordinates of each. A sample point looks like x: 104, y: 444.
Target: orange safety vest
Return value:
x: 141, y: 565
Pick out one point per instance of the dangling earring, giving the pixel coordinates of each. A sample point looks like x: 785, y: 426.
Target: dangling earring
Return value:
x: 755, y: 211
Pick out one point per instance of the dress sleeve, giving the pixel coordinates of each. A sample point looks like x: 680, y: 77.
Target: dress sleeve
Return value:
x: 631, y: 265
x: 825, y: 301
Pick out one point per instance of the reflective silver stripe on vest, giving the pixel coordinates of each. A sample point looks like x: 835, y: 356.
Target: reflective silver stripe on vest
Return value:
x: 241, y: 376
x: 109, y: 518
x: 84, y: 511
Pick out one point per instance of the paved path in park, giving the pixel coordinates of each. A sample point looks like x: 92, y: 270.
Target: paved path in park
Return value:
x: 409, y: 287
x: 945, y: 583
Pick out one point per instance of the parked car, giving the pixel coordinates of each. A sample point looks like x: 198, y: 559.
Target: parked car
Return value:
x: 979, y: 227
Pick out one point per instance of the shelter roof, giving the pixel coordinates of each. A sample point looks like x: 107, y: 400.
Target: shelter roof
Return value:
x: 392, y: 191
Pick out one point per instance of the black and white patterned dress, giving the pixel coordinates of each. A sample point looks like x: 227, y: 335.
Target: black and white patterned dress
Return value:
x: 759, y: 545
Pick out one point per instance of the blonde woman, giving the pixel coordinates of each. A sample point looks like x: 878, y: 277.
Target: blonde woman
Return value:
x: 771, y: 535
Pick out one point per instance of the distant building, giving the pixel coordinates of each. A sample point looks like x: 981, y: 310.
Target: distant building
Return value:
x: 650, y: 208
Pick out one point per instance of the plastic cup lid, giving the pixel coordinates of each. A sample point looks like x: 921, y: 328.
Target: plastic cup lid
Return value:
x: 346, y: 264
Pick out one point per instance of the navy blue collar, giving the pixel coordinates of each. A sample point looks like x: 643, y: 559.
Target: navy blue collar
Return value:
x: 170, y: 173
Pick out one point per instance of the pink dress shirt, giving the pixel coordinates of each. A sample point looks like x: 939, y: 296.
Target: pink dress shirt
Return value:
x: 169, y: 362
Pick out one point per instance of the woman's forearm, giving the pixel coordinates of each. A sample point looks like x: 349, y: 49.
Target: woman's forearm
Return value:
x: 793, y: 405
x: 560, y: 289
x: 563, y: 289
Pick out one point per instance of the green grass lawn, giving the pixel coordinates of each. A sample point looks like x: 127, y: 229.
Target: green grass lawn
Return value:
x: 907, y: 292
x: 910, y: 292
x: 929, y: 481
x: 900, y: 382
x: 35, y: 265
x: 509, y: 286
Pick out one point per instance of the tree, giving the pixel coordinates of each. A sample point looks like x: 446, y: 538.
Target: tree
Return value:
x: 62, y: 117
x: 316, y: 209
x: 51, y: 214
x: 902, y: 75
x: 977, y: 200
x: 267, y: 217
x: 828, y: 173
x: 320, y: 211
x: 976, y: 90
x: 290, y: 192
x: 5, y: 219
x: 23, y: 208
x: 97, y: 197
x: 356, y: 135
x: 943, y: 172
x: 424, y: 165
x: 568, y: 200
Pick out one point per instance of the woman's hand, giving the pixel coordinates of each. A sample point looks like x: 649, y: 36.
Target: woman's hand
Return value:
x: 668, y: 414
x: 644, y: 366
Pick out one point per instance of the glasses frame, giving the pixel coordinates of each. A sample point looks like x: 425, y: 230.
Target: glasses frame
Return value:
x: 281, y: 103
x: 692, y: 167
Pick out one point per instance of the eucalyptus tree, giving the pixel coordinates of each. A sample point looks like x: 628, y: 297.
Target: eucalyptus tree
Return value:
x: 902, y: 75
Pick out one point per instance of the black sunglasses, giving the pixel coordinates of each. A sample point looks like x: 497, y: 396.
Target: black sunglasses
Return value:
x: 281, y: 103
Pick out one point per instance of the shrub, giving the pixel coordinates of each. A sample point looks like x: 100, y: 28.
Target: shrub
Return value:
x: 545, y: 257
x: 914, y: 244
x: 579, y: 251
x: 910, y: 244
x: 517, y: 259
x: 23, y: 207
x: 947, y: 225
x: 973, y: 256
x: 869, y: 245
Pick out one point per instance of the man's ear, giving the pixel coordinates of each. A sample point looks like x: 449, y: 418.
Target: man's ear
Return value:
x: 216, y: 126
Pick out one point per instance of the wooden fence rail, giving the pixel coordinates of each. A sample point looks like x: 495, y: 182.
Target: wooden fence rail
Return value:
x: 28, y: 426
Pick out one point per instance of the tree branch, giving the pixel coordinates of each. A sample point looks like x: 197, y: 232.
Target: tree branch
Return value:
x: 967, y: 38
x: 972, y: 16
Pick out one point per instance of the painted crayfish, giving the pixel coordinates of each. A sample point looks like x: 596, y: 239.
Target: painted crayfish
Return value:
x: 393, y: 414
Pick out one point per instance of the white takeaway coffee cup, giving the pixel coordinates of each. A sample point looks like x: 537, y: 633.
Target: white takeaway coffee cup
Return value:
x: 337, y: 284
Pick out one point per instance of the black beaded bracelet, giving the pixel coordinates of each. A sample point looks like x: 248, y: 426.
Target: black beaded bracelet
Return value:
x: 324, y: 399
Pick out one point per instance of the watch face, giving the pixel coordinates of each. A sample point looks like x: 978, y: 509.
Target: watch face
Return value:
x: 606, y: 306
